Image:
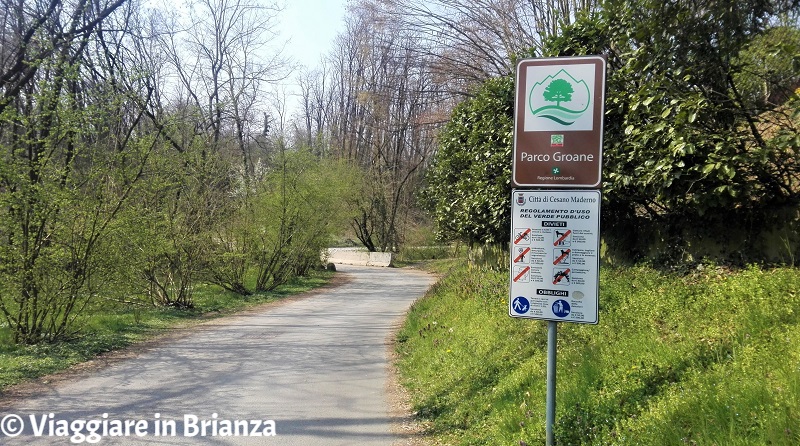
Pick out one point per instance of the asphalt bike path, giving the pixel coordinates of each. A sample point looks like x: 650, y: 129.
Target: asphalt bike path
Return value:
x: 310, y: 371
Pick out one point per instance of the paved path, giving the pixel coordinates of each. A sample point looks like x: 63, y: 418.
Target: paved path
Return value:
x: 316, y: 366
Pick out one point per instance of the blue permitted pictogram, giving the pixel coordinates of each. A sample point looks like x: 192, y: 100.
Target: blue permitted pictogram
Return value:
x: 561, y: 308
x: 520, y: 305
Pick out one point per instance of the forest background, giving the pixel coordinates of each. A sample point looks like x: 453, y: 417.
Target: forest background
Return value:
x: 144, y: 154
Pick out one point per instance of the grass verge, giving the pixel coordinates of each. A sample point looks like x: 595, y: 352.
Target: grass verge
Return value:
x: 710, y: 358
x: 118, y: 325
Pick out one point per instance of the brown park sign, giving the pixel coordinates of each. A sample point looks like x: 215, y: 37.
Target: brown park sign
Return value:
x: 558, y: 122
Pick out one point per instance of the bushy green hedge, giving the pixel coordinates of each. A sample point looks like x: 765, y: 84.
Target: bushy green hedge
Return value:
x: 469, y: 182
x: 701, y: 134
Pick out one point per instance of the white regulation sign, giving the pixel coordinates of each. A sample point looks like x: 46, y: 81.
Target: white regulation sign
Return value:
x: 555, y: 255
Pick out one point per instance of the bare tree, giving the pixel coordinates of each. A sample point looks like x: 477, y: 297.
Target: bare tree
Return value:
x: 224, y: 55
x: 380, y: 100
x: 472, y: 40
x: 33, y: 31
x: 315, y: 109
x: 214, y: 61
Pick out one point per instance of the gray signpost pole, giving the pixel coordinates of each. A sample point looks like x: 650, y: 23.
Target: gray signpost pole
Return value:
x: 558, y: 143
x: 550, y: 410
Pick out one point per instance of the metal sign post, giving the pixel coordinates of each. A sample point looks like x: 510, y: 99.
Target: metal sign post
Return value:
x: 555, y: 265
x: 550, y: 408
x: 555, y: 241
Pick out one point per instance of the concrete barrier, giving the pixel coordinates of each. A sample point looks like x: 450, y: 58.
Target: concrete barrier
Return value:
x: 356, y: 256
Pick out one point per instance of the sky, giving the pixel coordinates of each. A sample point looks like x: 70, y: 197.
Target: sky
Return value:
x: 310, y: 26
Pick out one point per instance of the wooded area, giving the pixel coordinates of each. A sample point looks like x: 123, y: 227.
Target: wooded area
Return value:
x: 139, y: 160
x: 145, y: 148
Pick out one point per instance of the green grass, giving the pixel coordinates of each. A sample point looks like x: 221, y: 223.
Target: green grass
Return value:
x: 113, y: 326
x: 711, y: 358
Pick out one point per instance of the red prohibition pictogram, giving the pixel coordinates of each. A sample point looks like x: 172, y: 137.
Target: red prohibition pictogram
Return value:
x: 563, y: 255
x: 521, y: 255
x: 561, y: 275
x: 562, y: 237
x: 522, y: 236
x: 522, y: 273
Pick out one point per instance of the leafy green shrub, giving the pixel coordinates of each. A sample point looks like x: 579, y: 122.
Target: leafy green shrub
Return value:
x: 470, y: 179
x: 686, y: 139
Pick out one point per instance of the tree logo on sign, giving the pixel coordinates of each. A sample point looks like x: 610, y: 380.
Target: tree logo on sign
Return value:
x: 561, y: 98
x: 558, y: 91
